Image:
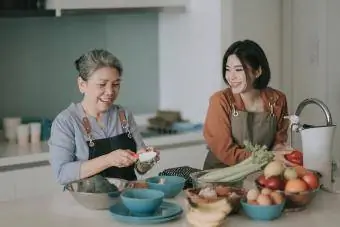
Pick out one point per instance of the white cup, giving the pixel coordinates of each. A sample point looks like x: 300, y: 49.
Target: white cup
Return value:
x: 23, y: 134
x: 35, y: 131
x: 10, y: 125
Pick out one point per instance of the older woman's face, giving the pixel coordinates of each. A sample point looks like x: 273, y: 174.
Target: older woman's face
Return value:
x: 235, y: 74
x: 102, y: 88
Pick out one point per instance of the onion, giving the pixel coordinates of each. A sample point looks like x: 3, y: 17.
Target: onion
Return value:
x: 274, y: 168
x: 290, y: 174
x: 276, y: 197
x: 264, y: 200
x: 208, y: 193
x: 266, y: 191
x: 252, y: 194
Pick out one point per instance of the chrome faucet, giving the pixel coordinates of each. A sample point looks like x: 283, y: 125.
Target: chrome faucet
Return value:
x: 298, y: 127
x: 319, y: 103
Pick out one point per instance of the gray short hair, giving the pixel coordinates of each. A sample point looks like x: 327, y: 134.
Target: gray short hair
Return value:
x: 95, y: 59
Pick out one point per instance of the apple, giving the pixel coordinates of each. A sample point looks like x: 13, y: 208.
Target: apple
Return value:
x: 311, y: 179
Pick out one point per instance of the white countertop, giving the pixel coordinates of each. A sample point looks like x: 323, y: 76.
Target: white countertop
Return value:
x: 61, y: 210
x: 12, y: 154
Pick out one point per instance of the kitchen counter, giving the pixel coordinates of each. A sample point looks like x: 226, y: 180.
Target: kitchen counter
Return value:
x: 60, y: 209
x: 13, y: 156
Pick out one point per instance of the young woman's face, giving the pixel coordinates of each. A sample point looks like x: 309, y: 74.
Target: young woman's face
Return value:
x: 238, y: 79
x: 101, y: 89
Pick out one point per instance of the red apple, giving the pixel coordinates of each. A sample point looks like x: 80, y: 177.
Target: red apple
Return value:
x: 311, y: 179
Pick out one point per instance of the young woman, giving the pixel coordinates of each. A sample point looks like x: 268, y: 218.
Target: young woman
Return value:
x: 247, y: 110
x: 95, y: 136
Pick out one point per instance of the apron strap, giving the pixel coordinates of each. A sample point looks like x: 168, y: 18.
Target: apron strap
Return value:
x: 271, y: 104
x: 124, y: 123
x: 231, y: 101
x: 87, y: 127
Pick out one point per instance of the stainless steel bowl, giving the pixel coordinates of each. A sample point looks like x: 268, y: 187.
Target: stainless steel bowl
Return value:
x: 98, y: 201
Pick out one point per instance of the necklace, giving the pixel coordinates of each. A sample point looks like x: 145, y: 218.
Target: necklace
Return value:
x: 98, y: 121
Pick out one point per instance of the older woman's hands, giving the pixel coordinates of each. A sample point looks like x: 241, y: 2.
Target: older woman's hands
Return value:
x: 121, y: 158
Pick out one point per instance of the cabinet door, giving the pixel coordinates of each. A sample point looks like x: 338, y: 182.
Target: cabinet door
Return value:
x: 34, y: 182
x: 7, y: 187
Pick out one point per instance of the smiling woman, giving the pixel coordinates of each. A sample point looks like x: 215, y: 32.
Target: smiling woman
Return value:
x: 248, y: 110
x: 96, y: 136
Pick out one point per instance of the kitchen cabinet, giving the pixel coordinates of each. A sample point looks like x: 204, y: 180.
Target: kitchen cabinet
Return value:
x: 60, y: 5
x: 38, y: 181
x: 7, y: 187
x: 35, y: 182
x: 26, y: 183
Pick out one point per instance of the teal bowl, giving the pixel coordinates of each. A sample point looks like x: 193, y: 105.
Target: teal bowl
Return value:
x: 142, y: 202
x: 263, y: 213
x: 171, y: 186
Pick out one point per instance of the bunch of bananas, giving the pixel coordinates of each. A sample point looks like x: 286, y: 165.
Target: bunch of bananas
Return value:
x: 207, y: 213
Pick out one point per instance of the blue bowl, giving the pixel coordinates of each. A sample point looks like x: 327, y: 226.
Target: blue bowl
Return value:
x: 263, y: 213
x: 171, y: 186
x: 142, y: 202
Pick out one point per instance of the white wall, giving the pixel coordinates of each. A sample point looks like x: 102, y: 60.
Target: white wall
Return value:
x: 191, y: 46
x: 261, y: 21
x: 189, y: 58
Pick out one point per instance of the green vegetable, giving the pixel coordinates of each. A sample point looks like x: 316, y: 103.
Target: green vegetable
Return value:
x: 260, y: 157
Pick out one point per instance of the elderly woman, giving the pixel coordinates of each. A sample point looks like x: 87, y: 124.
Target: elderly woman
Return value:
x: 247, y: 110
x: 95, y: 136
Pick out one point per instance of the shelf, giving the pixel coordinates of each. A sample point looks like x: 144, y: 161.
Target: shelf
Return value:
x: 26, y: 13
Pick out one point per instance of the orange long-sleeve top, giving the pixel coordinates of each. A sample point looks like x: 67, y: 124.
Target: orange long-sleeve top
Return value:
x: 217, y: 127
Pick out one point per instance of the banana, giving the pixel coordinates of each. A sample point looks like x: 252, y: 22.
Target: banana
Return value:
x: 221, y: 204
x: 208, y: 216
x: 197, y: 220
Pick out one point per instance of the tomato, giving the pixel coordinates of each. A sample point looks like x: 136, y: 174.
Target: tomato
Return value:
x: 294, y: 159
x: 311, y: 179
x: 296, y: 154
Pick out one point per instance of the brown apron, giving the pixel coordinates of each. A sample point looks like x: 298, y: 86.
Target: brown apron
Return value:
x: 256, y: 127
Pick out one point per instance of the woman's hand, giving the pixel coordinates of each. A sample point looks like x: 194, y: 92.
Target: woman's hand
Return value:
x: 121, y: 158
x: 280, y: 150
x: 280, y: 156
x: 149, y: 149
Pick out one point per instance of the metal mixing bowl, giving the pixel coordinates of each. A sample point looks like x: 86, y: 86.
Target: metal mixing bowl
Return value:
x: 98, y: 201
